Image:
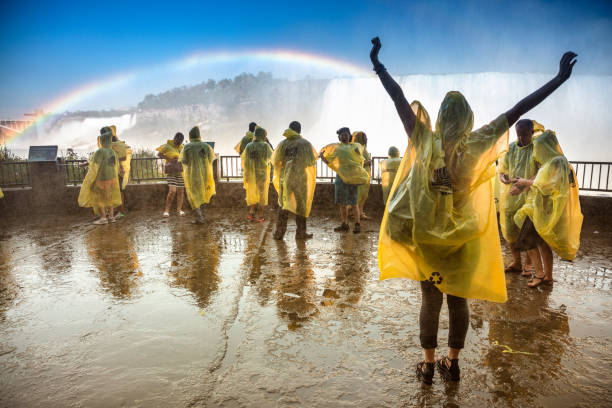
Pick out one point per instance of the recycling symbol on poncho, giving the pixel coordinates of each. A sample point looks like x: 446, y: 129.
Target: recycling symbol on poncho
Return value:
x: 435, y: 278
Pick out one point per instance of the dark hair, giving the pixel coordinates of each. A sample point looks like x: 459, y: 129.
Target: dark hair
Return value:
x: 179, y: 134
x: 525, y: 122
x: 252, y: 126
x: 295, y: 126
x: 343, y: 130
x: 115, y: 138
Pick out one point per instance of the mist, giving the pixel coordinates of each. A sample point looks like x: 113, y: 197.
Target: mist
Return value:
x: 578, y: 111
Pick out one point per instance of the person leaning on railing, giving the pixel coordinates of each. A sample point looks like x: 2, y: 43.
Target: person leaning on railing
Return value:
x: 174, y: 172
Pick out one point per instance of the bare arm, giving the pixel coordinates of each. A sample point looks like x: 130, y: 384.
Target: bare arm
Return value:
x: 525, y: 105
x: 393, y: 89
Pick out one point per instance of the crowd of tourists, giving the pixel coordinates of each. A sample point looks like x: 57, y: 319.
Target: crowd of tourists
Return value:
x: 440, y: 224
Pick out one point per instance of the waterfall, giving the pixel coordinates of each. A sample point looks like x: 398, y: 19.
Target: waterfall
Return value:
x: 579, y: 111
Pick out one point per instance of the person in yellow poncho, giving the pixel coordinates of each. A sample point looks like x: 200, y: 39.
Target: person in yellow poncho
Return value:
x: 170, y: 152
x: 517, y: 163
x: 364, y: 189
x: 346, y: 159
x: 551, y: 209
x: 246, y: 139
x: 1, y: 193
x: 100, y: 188
x: 388, y: 170
x: 197, y: 158
x: 256, y: 159
x: 124, y: 154
x: 439, y: 224
x: 295, y: 176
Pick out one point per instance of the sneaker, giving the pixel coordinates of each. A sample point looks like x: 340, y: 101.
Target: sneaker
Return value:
x: 113, y: 219
x: 180, y: 213
x: 357, y: 228
x: 342, y: 228
x: 119, y: 215
x: 101, y: 221
x: 166, y: 214
x: 250, y: 217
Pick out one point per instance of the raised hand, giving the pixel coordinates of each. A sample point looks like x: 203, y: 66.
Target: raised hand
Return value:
x: 375, y: 49
x: 566, y: 64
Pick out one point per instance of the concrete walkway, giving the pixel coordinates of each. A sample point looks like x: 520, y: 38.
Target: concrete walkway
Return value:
x: 154, y: 312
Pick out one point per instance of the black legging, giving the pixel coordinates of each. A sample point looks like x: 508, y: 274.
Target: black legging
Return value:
x: 459, y: 317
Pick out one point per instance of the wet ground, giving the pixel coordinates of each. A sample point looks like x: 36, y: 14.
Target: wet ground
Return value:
x: 159, y: 313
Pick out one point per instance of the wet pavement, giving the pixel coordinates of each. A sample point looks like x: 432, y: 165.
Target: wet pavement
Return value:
x: 150, y: 312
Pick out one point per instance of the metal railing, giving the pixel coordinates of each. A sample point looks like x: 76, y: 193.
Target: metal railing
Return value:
x: 147, y: 169
x: 14, y: 174
x: 141, y: 169
x: 230, y: 169
x: 593, y: 176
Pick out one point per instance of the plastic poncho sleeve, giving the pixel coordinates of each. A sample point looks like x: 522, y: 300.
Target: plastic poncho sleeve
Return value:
x: 346, y: 159
x: 123, y: 152
x: 429, y: 234
x: 295, y: 173
x: 246, y: 139
x: 197, y: 158
x: 97, y: 190
x: 256, y: 159
x: 170, y: 150
x: 552, y: 202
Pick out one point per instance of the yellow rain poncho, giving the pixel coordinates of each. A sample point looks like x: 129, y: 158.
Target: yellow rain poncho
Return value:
x: 517, y: 162
x: 123, y: 152
x: 346, y: 159
x: 100, y: 187
x: 256, y: 159
x: 295, y: 173
x: 496, y: 187
x: 197, y: 158
x: 552, y: 202
x: 1, y: 193
x: 246, y: 139
x: 364, y: 189
x: 170, y: 150
x: 439, y: 223
x: 388, y: 170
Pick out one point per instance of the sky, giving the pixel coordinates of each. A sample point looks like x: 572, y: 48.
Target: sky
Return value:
x: 52, y: 48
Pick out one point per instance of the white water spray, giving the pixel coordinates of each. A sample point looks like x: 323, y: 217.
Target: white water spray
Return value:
x: 579, y: 111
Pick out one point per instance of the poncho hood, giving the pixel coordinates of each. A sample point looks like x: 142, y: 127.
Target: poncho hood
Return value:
x: 546, y: 147
x: 291, y: 134
x: 194, y: 134
x: 260, y: 135
x: 455, y: 121
x: 106, y: 137
x: 359, y: 137
x: 393, y: 152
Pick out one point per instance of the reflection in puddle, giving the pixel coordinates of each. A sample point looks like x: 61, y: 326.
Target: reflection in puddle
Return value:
x: 195, y: 259
x: 112, y: 253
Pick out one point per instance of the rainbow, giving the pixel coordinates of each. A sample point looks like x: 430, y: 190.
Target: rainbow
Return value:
x: 65, y: 101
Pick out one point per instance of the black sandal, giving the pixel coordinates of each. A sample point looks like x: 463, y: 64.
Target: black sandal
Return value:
x: 449, y: 368
x: 425, y: 372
